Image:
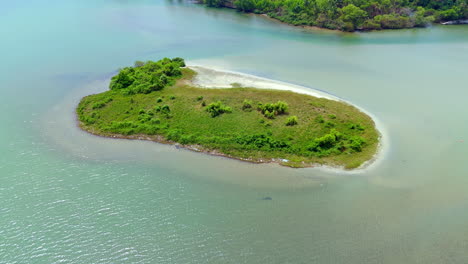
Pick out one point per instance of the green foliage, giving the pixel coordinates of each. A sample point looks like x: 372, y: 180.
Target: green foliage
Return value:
x: 420, y: 18
x: 87, y: 120
x: 268, y: 114
x: 165, y: 109
x: 370, y: 24
x: 187, y: 139
x: 319, y: 119
x: 98, y: 105
x: 247, y: 105
x: 329, y: 124
x: 155, y: 121
x: 355, y: 143
x: 261, y: 141
x: 353, y: 15
x: 335, y: 143
x: 271, y: 110
x: 180, y: 61
x: 358, y: 127
x: 243, y: 133
x: 148, y: 77
x: 393, y: 21
x: 291, y: 121
x: 218, y: 108
x: 326, y: 142
x: 245, y: 5
x: 102, y: 103
x: 350, y: 15
x: 174, y: 134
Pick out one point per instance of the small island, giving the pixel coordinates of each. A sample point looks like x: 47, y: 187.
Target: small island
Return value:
x: 158, y: 101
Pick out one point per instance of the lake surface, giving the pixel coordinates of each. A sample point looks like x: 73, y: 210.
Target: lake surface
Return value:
x: 69, y: 197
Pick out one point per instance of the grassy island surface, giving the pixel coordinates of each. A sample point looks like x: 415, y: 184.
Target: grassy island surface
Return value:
x: 157, y: 101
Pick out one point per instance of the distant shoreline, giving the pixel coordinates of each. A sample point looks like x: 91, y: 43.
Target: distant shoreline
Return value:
x: 328, y: 30
x: 386, y: 21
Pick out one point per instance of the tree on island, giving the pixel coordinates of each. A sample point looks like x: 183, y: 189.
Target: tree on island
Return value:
x: 353, y: 15
x: 146, y: 77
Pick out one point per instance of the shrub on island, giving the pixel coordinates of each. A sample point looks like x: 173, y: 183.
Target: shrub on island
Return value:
x: 247, y: 105
x: 218, y: 108
x: 148, y: 77
x: 335, y: 143
x: 291, y: 121
x: 271, y: 110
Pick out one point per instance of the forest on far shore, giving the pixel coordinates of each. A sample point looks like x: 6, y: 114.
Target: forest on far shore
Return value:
x: 351, y: 15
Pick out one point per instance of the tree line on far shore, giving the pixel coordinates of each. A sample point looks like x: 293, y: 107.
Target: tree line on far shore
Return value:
x: 351, y: 15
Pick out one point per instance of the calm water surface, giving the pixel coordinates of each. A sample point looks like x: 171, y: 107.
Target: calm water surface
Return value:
x: 69, y: 197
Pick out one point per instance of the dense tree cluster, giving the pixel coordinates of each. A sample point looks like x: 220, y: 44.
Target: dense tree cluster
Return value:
x: 271, y: 110
x: 146, y: 77
x: 217, y: 108
x: 350, y: 15
x: 261, y: 141
x: 336, y: 143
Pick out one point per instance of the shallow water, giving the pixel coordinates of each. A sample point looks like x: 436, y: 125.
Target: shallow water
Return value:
x: 71, y: 197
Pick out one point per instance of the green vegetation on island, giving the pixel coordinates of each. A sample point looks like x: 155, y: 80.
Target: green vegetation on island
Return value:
x: 156, y: 101
x: 351, y: 15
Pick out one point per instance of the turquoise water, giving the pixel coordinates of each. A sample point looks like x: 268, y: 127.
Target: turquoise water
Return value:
x: 69, y: 197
